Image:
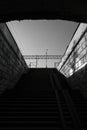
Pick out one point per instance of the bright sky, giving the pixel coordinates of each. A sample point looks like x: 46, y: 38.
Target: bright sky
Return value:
x: 35, y: 36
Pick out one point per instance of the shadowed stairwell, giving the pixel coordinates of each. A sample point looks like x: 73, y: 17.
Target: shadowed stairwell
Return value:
x: 42, y: 100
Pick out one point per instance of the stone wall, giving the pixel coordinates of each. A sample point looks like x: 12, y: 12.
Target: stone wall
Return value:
x: 12, y: 64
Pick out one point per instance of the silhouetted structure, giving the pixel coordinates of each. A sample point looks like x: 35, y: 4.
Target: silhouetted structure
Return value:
x: 43, y: 100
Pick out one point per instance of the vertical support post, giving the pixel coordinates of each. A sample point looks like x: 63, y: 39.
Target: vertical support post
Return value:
x: 46, y: 57
x: 36, y: 61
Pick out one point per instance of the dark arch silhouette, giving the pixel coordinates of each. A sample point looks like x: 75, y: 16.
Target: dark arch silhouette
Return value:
x: 43, y: 9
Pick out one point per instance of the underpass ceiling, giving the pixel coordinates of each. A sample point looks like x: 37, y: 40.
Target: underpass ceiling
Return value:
x: 43, y: 9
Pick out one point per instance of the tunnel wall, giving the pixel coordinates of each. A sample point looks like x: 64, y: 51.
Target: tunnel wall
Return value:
x: 12, y: 63
x: 79, y: 80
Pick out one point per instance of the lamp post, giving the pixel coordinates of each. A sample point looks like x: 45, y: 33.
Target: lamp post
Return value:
x: 46, y: 57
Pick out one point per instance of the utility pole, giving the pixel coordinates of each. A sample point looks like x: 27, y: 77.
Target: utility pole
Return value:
x: 46, y: 57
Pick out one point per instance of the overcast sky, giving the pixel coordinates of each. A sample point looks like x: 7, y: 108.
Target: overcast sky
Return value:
x: 35, y: 36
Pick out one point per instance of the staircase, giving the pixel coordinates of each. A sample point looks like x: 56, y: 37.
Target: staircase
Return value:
x: 29, y: 114
x: 35, y: 103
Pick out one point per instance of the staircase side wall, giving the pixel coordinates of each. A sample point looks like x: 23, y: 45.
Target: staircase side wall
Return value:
x: 12, y: 64
x: 79, y: 80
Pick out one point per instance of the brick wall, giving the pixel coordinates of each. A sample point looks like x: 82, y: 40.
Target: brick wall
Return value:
x: 12, y: 64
